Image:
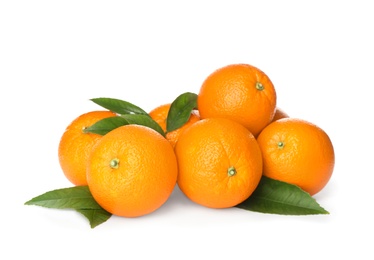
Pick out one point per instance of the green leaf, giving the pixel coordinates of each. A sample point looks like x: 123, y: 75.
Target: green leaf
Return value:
x: 144, y: 120
x: 78, y: 198
x: 118, y: 106
x: 106, y: 125
x: 95, y: 216
x: 277, y: 197
x: 180, y: 111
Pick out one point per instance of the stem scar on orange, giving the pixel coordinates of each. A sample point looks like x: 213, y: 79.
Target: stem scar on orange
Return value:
x: 220, y: 163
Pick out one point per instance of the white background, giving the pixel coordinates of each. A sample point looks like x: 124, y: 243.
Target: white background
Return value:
x: 56, y: 55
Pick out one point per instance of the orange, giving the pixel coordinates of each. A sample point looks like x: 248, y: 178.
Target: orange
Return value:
x: 132, y: 171
x: 298, y: 152
x: 75, y: 145
x: 240, y: 92
x: 279, y: 114
x: 220, y: 163
x: 159, y: 114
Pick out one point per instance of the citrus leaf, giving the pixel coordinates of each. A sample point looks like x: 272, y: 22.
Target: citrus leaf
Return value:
x: 106, y: 125
x: 78, y: 198
x: 95, y: 216
x: 277, y: 197
x: 180, y: 110
x: 143, y: 120
x: 118, y: 106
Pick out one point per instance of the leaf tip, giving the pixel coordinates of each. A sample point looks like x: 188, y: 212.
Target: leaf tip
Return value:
x: 324, y: 212
x: 30, y: 202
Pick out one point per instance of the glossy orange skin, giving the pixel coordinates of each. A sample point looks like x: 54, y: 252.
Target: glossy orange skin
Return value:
x: 207, y: 152
x: 297, y: 152
x: 132, y: 171
x: 75, y: 145
x: 240, y: 92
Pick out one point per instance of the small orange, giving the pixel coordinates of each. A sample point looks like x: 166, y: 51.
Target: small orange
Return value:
x: 220, y: 163
x: 160, y: 113
x: 75, y: 145
x: 298, y: 152
x: 132, y: 171
x: 240, y: 92
x: 279, y: 114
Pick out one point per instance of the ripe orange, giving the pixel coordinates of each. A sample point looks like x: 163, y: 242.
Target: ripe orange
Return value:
x: 220, y: 163
x: 240, y: 92
x: 159, y: 114
x: 75, y: 145
x: 279, y: 114
x: 132, y: 171
x: 297, y: 152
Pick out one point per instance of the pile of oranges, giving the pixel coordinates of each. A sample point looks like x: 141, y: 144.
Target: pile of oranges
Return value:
x: 235, y: 135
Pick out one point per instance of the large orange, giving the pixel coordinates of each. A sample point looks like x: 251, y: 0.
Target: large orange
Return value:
x: 160, y: 113
x: 75, y: 145
x: 132, y: 171
x: 240, y: 92
x: 220, y: 163
x: 298, y: 152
